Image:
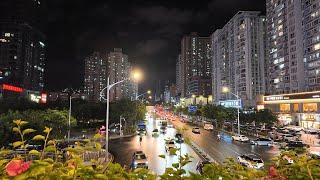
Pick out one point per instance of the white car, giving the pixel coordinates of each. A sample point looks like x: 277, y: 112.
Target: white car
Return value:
x: 251, y: 161
x: 196, y: 130
x: 170, y: 126
x: 289, y: 137
x: 240, y: 138
x: 262, y: 142
x: 208, y: 126
x: 139, y: 160
x: 169, y: 145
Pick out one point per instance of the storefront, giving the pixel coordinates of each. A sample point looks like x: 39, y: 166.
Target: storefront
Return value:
x: 301, y: 109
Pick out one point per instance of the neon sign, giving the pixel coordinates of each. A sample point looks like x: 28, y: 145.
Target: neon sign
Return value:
x: 12, y: 88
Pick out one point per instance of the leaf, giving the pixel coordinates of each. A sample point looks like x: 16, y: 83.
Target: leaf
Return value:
x: 28, y: 131
x: 51, y: 142
x: 17, y: 144
x: 50, y: 149
x: 175, y: 165
x: 38, y: 138
x: 162, y: 156
x: 34, y: 152
x: 98, y: 146
x: 97, y: 136
x: 47, y: 130
x: 15, y: 129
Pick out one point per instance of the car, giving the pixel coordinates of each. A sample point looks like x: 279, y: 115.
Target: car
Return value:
x: 163, y: 129
x: 262, y: 142
x: 241, y: 138
x: 141, y: 131
x: 289, y: 137
x: 314, y: 152
x: 295, y: 144
x: 139, y: 160
x: 311, y: 131
x: 170, y: 126
x: 251, y: 161
x: 179, y: 138
x: 208, y: 126
x: 200, y: 166
x: 196, y: 130
x: 169, y: 145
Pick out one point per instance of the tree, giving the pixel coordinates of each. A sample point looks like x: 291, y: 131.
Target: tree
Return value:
x: 266, y: 116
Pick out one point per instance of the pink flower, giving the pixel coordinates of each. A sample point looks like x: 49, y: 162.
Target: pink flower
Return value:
x: 16, y: 167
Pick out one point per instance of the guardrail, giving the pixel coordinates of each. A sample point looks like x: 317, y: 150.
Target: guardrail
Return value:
x: 204, y: 155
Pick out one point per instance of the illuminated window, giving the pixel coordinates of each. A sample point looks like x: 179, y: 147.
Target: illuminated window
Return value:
x: 284, y: 107
x: 317, y: 46
x: 309, y: 107
x: 296, y: 107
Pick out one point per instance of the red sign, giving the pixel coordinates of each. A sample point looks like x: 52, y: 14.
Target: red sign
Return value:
x: 43, y: 98
x: 12, y: 88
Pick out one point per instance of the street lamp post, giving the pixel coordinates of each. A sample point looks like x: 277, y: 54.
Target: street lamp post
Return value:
x: 226, y: 90
x: 137, y: 96
x: 107, y: 88
x: 69, y: 123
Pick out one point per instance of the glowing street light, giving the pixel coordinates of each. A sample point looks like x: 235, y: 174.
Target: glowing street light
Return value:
x: 227, y: 90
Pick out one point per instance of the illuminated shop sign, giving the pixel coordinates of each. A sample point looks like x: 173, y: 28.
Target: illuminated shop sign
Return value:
x: 7, y: 87
x: 296, y: 96
x: 231, y: 103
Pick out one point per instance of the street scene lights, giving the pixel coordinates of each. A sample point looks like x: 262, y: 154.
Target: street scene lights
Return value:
x: 136, y: 76
x: 148, y: 92
x: 227, y: 90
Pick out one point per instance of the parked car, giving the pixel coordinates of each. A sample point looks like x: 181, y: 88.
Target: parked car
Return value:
x: 200, y: 166
x: 241, y: 138
x: 311, y: 131
x: 179, y: 138
x: 262, y: 142
x: 139, y: 160
x: 314, y: 152
x: 251, y: 161
x: 169, y: 145
x: 196, y: 130
x: 295, y: 144
x: 208, y: 126
x: 289, y: 137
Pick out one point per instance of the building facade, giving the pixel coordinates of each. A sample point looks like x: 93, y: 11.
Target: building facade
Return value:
x: 238, y: 58
x: 95, y: 76
x: 194, y: 65
x: 285, y: 47
x: 119, y: 68
x: 301, y: 109
x: 22, y: 45
x: 311, y: 41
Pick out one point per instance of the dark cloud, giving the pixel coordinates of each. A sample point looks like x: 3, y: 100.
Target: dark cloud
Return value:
x: 152, y: 46
x: 148, y: 31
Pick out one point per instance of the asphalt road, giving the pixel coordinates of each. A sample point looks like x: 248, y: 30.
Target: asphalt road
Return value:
x: 224, y: 148
x: 122, y: 149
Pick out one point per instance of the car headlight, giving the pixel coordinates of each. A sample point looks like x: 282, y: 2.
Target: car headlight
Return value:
x: 135, y: 163
x: 147, y: 162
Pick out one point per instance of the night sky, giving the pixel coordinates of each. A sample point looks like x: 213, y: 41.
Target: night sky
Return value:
x: 149, y: 31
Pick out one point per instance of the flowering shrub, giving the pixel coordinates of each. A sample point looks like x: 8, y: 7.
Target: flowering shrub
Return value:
x: 74, y: 167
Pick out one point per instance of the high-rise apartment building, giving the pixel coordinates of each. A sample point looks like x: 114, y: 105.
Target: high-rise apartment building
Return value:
x: 195, y: 66
x: 95, y: 76
x: 22, y: 45
x: 238, y: 58
x: 179, y: 75
x: 120, y: 69
x: 311, y: 43
x: 285, y: 38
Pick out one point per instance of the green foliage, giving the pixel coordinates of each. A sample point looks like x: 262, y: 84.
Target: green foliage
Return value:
x: 37, y: 120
